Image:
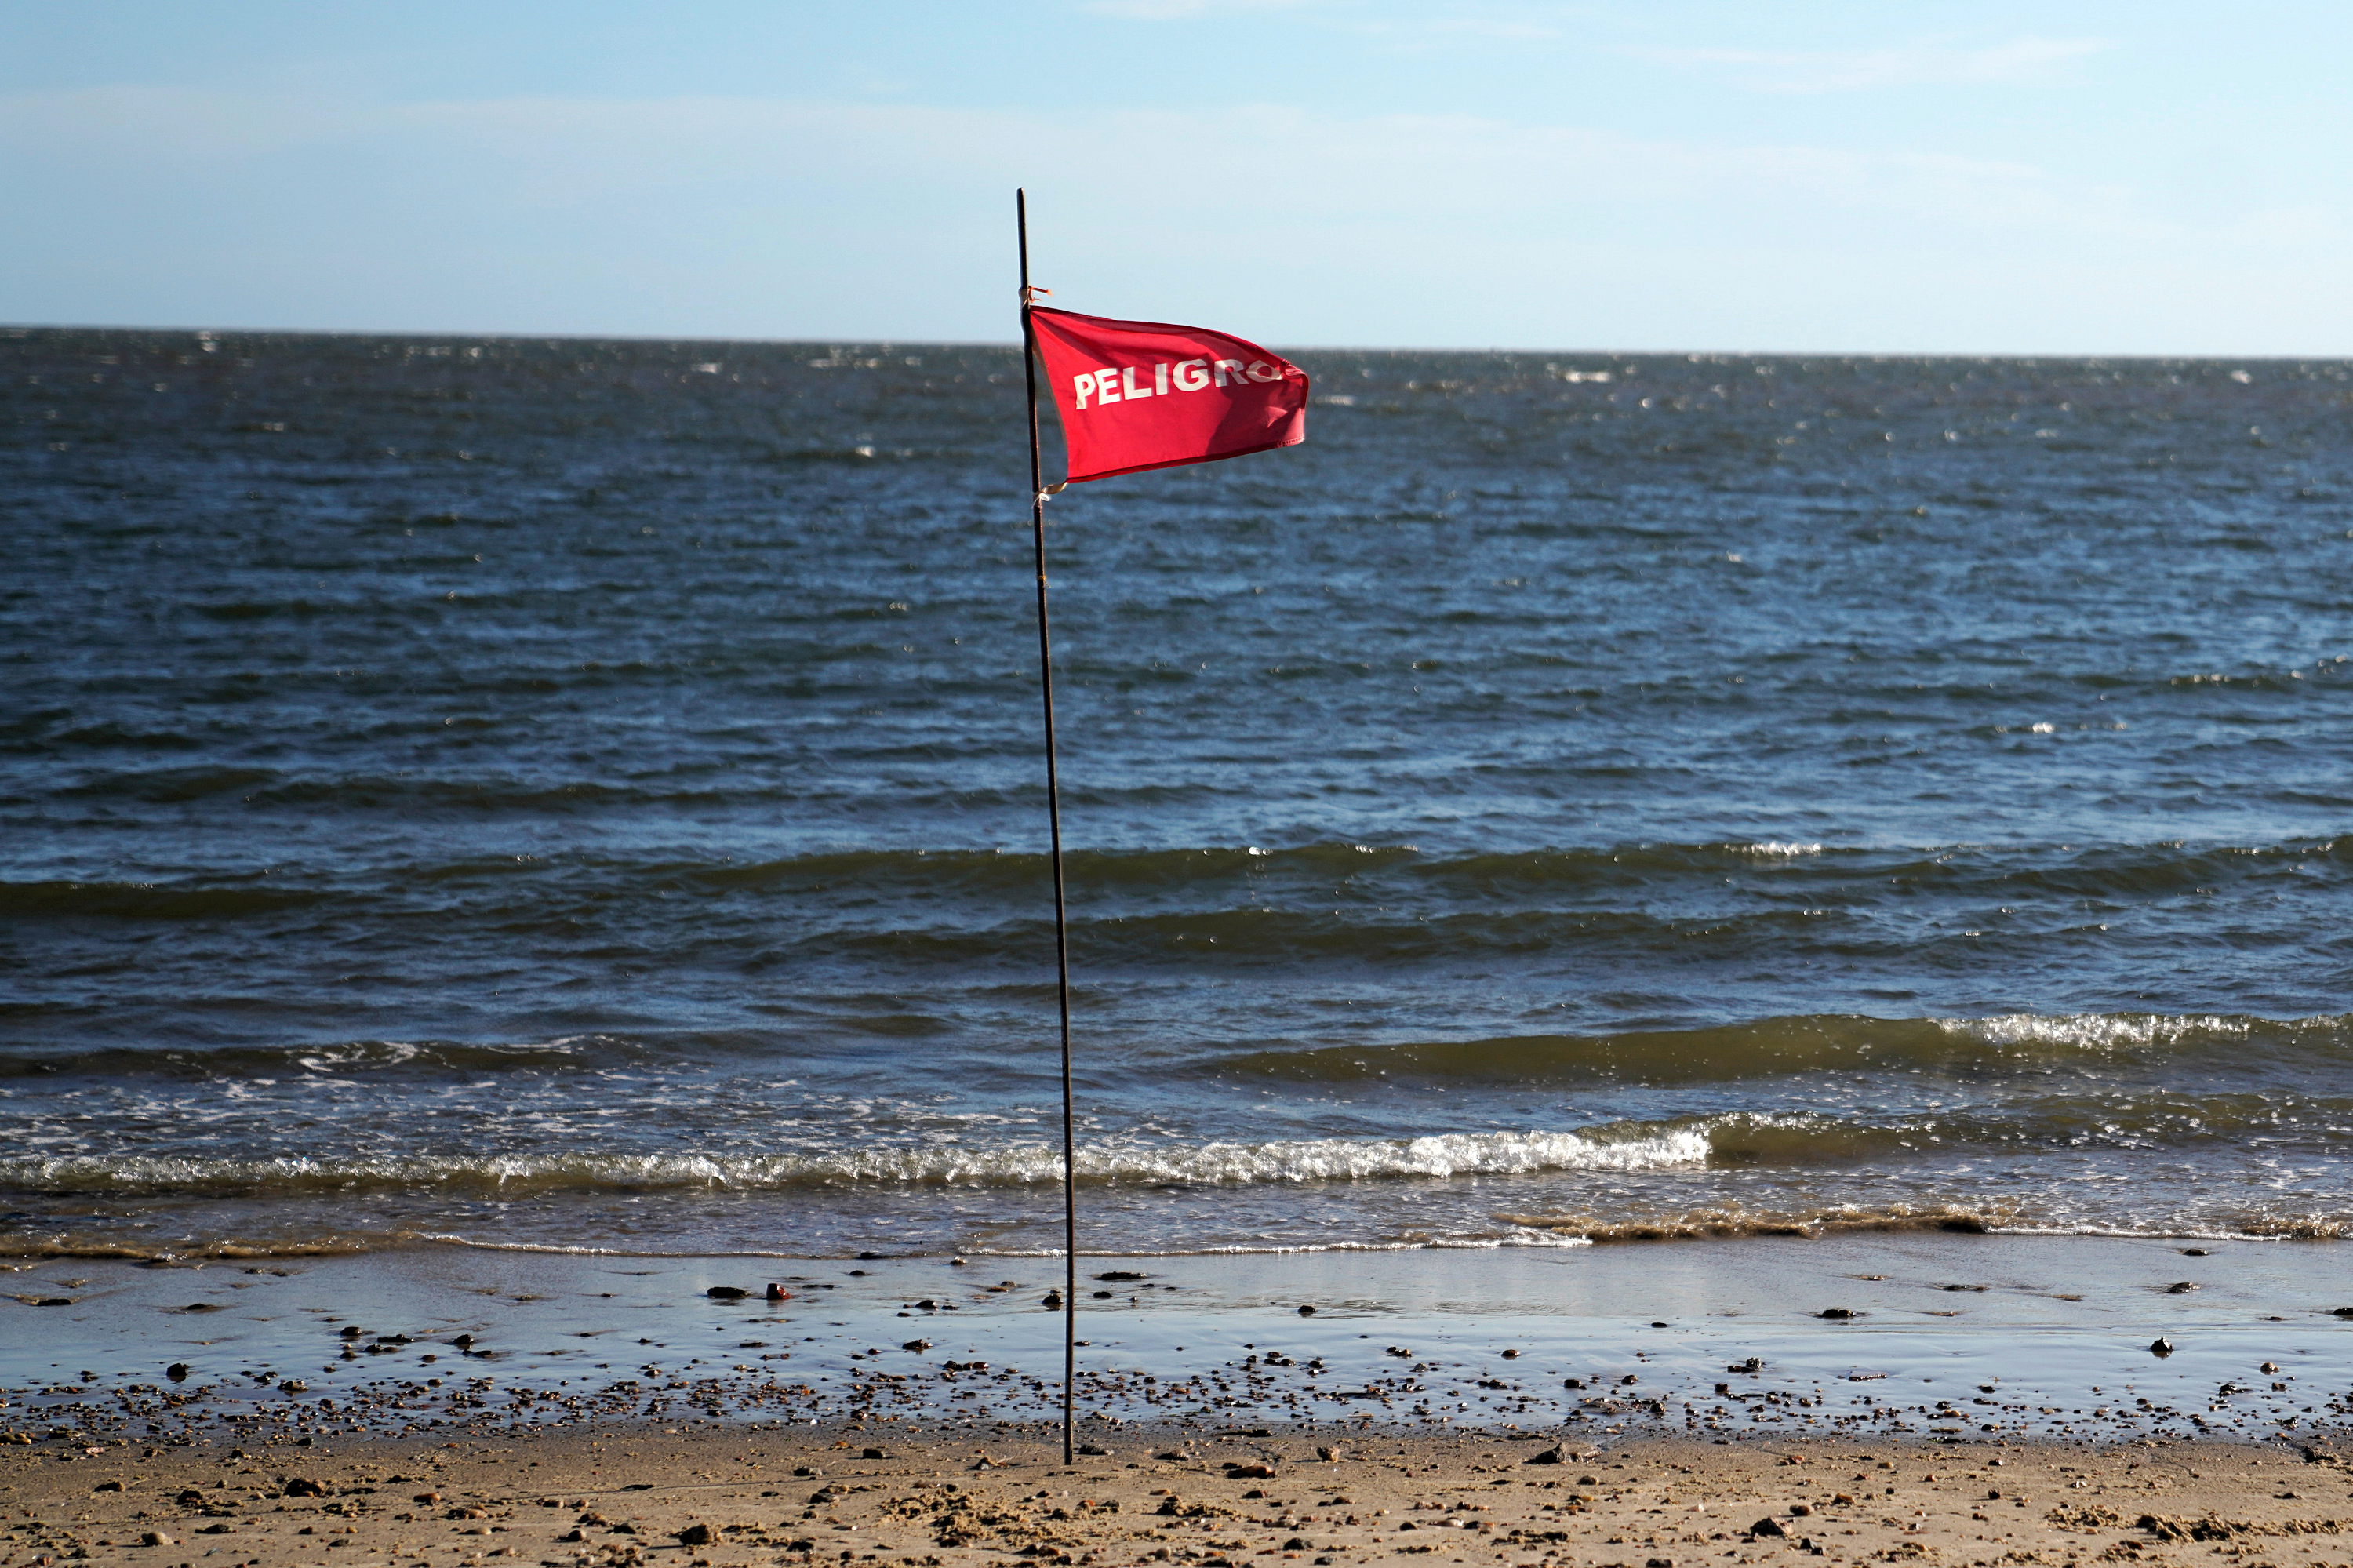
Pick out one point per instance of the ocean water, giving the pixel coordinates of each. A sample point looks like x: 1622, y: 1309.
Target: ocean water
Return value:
x: 588, y: 794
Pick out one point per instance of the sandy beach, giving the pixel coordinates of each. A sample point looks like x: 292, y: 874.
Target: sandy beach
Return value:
x: 944, y: 1497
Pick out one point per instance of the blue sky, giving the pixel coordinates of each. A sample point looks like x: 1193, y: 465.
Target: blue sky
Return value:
x: 2156, y: 177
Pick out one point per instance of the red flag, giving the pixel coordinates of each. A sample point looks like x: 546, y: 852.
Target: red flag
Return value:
x: 1140, y: 394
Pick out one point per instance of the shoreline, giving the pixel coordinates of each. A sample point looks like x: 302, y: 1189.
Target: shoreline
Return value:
x: 1921, y: 1335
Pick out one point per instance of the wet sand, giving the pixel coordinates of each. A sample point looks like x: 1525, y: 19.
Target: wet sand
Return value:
x: 720, y: 1497
x: 1881, y: 1336
x: 452, y: 1405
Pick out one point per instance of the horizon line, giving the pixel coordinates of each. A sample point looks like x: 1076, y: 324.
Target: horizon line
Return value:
x: 19, y: 329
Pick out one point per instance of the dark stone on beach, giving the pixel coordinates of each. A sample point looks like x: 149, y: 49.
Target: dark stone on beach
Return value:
x: 872, y: 1454
x: 1306, y: 1310
x: 54, y: 1301
x: 916, y: 1345
x: 1239, y: 1470
x: 1297, y: 1543
x: 304, y: 1487
x: 156, y: 1538
x: 2161, y: 1347
x: 1051, y: 1298
x: 2181, y: 1287
x: 464, y: 1341
x: 200, y: 1307
x: 1753, y: 1365
x: 1511, y: 1355
x: 177, y: 1371
x: 1103, y: 1296
x: 1572, y: 1383
x: 778, y: 1293
x: 695, y: 1535
x: 1552, y: 1455
x: 1122, y: 1273
x: 2193, y: 1251
x: 1662, y: 1325
x: 1838, y: 1313
x: 1767, y: 1526
x: 807, y: 1470
x: 1978, y: 1287
x: 1093, y: 1449
x: 726, y: 1293
x: 871, y: 1257
x: 353, y: 1331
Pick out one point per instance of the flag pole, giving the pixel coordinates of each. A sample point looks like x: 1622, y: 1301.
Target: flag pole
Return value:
x: 1054, y: 827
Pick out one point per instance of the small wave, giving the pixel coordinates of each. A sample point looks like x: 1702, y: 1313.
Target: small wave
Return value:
x: 1312, y: 1159
x: 144, y: 901
x: 1727, y: 1223
x: 1774, y: 1047
x: 431, y: 1058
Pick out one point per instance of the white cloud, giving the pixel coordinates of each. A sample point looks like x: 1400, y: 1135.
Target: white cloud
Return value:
x: 1251, y: 159
x: 1926, y: 63
x: 1436, y: 28
x: 1184, y: 10
x: 745, y: 216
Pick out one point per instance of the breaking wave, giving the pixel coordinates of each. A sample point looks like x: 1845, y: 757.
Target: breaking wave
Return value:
x: 1310, y: 1160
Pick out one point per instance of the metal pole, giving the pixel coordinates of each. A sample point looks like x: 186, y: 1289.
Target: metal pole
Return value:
x: 1054, y: 825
